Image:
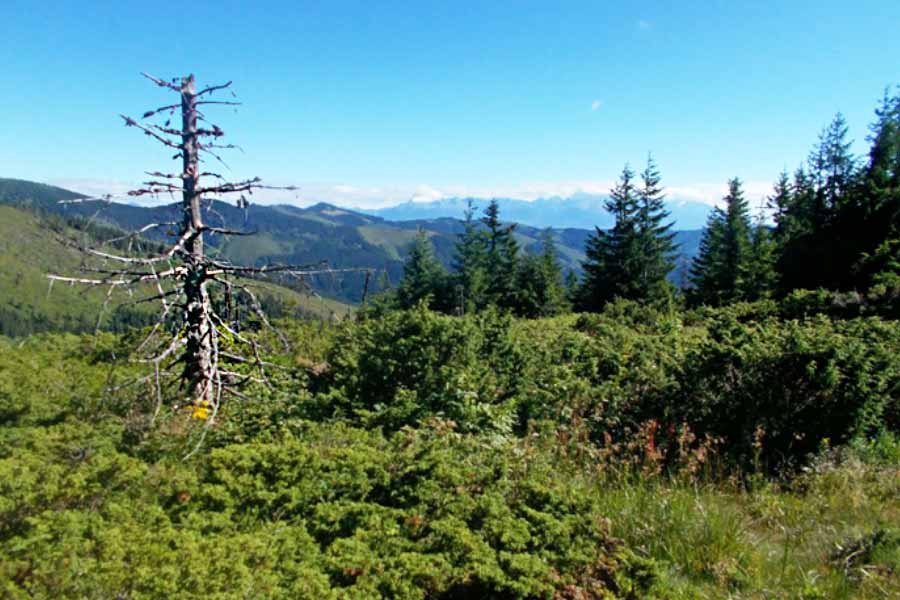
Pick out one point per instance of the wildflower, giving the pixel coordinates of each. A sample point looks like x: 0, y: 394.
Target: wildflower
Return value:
x: 201, y: 410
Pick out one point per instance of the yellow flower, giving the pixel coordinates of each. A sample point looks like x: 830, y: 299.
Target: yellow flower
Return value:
x: 201, y: 411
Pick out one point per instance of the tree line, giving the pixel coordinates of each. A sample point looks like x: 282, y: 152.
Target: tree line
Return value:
x: 836, y: 223
x: 833, y: 224
x: 489, y: 269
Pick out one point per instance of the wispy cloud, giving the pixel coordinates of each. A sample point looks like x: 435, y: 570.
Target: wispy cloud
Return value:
x: 426, y: 193
x: 595, y: 105
x: 644, y: 25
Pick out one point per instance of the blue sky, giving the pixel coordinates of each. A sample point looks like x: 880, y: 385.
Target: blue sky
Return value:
x: 368, y: 103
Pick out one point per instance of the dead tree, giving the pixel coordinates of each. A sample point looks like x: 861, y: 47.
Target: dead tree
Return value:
x: 184, y: 276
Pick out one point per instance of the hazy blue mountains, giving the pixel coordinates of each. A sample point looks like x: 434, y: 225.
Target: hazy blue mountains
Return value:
x: 583, y: 211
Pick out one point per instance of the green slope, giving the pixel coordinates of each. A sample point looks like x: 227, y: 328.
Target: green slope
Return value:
x: 19, y: 192
x: 32, y: 246
x: 29, y: 250
x: 394, y: 241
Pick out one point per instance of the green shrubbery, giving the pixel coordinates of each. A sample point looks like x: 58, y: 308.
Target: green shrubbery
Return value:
x: 768, y: 389
x: 416, y: 455
x: 789, y: 386
x: 328, y: 511
x: 408, y: 365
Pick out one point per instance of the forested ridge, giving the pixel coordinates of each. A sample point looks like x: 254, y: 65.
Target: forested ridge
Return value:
x: 321, y: 232
x: 500, y: 428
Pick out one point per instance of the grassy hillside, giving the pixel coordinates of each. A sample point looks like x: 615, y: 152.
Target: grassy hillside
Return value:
x: 393, y: 240
x: 29, y: 250
x: 32, y: 246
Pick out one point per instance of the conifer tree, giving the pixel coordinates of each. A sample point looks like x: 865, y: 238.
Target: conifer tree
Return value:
x: 186, y: 277
x: 781, y: 205
x: 882, y: 172
x: 803, y: 202
x: 706, y: 277
x: 531, y: 286
x: 655, y: 247
x: 795, y: 230
x: 785, y: 204
x: 879, y: 262
x: 720, y: 272
x: 610, y: 265
x: 540, y: 290
x: 470, y: 289
x: 424, y: 278
x: 832, y: 245
x: 501, y: 259
x: 572, y: 289
x: 832, y: 168
x: 736, y: 241
x: 550, y: 261
x: 761, y: 276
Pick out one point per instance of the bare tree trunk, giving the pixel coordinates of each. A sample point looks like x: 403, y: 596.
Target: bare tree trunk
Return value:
x: 191, y: 276
x: 198, y: 368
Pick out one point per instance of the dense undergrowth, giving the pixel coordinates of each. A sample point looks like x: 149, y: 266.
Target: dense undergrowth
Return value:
x: 738, y: 453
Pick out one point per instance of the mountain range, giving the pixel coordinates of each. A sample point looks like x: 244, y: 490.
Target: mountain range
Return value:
x: 581, y: 210
x: 323, y: 232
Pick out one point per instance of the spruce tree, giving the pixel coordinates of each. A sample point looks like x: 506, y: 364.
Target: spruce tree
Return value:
x: 552, y: 271
x: 706, y: 278
x: 572, y: 289
x: 539, y: 286
x: 803, y: 202
x: 879, y: 259
x: 655, y: 247
x: 720, y: 272
x: 609, y: 270
x: 788, y: 225
x: 424, y: 278
x: 736, y: 242
x: 832, y: 168
x: 796, y: 229
x: 822, y: 232
x: 501, y: 259
x: 882, y: 171
x: 781, y: 205
x: 531, y: 287
x: 834, y: 241
x: 823, y: 218
x: 761, y: 276
x: 470, y: 280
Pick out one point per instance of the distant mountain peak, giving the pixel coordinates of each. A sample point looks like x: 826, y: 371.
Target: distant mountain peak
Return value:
x: 580, y: 210
x: 322, y: 206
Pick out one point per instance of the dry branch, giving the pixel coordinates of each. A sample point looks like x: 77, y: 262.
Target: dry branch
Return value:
x: 188, y: 330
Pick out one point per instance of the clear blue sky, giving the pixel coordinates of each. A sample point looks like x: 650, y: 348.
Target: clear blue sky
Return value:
x: 379, y: 98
